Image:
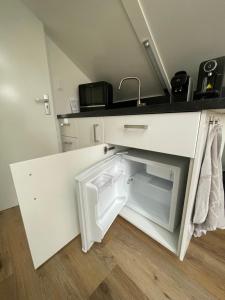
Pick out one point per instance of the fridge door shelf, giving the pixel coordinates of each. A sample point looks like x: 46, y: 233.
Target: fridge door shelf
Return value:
x: 101, y: 197
x: 104, y: 191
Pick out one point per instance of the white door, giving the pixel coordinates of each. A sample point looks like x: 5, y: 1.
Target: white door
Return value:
x: 25, y: 131
x: 101, y: 194
x: 46, y: 193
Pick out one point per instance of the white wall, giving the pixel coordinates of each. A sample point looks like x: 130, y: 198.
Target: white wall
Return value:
x: 25, y: 131
x: 97, y: 36
x: 65, y: 78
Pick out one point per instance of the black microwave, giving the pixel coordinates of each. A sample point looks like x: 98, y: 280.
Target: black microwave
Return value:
x: 95, y: 95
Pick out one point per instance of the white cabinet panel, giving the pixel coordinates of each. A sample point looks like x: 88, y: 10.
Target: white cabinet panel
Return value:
x: 69, y: 127
x: 90, y: 131
x: 173, y: 133
x: 69, y: 143
x: 46, y: 195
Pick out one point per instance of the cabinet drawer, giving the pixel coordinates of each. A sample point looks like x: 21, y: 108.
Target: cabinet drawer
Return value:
x: 173, y: 133
x: 68, y: 127
x: 69, y: 143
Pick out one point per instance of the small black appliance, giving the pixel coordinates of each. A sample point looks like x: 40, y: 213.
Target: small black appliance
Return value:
x: 95, y: 95
x: 181, y: 85
x: 211, y: 79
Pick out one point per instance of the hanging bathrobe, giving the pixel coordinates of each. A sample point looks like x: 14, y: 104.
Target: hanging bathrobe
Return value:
x: 209, y: 204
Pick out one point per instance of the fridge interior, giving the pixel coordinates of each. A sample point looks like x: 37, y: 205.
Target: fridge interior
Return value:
x: 125, y: 184
x: 148, y: 195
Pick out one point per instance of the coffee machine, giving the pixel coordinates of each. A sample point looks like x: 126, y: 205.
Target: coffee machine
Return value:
x: 211, y: 79
x: 181, y: 85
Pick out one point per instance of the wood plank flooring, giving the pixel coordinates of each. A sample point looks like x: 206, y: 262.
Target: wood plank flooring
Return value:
x: 127, y: 265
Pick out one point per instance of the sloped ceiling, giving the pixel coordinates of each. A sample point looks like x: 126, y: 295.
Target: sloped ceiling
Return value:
x: 187, y: 32
x: 98, y: 37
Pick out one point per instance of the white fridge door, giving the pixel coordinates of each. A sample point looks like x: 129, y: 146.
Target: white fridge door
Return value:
x: 101, y: 194
x: 45, y: 191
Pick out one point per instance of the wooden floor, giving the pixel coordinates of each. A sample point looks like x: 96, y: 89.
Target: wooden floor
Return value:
x: 127, y: 265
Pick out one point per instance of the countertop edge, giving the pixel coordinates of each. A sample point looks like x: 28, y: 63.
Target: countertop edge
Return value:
x: 193, y: 106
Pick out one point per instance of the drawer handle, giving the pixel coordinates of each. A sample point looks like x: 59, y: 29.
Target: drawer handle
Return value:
x: 68, y: 143
x: 136, y: 126
x: 95, y: 133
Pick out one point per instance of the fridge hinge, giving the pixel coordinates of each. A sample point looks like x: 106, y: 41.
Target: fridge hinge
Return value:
x: 106, y: 149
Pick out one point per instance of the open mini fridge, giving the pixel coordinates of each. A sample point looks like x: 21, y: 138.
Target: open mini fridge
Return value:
x: 146, y: 188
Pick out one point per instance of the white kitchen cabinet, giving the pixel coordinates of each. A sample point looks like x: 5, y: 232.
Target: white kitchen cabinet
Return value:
x: 90, y: 131
x: 69, y: 143
x: 173, y: 133
x: 84, y: 131
x: 69, y: 127
x: 47, y: 197
x: 47, y: 192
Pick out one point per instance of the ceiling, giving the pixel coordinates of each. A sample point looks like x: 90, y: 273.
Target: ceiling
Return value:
x: 187, y: 32
x: 97, y: 36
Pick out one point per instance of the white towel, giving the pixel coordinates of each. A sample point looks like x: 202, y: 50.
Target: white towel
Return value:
x: 209, y: 204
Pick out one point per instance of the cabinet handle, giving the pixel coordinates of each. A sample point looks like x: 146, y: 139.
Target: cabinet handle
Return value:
x: 136, y: 126
x: 95, y: 133
x: 68, y: 143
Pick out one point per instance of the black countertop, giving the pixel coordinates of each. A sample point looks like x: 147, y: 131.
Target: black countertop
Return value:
x: 153, y: 108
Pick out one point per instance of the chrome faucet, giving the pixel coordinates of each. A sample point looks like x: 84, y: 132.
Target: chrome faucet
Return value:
x: 139, y: 88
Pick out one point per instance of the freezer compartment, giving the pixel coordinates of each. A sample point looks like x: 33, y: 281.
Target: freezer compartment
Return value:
x: 164, y: 172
